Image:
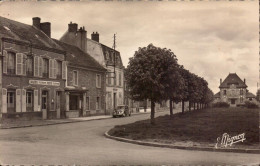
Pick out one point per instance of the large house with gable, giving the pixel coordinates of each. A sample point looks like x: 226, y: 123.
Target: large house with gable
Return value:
x: 105, y: 56
x: 233, y: 91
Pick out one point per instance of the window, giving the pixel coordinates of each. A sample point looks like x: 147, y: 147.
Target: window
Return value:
x: 87, y: 103
x: 10, y: 99
x: 120, y: 83
x: 45, y: 72
x: 11, y: 63
x: 75, y: 78
x: 29, y: 99
x: 29, y: 66
x: 225, y: 92
x: 98, y: 103
x: 115, y: 78
x: 59, y: 69
x: 98, y: 81
x: 241, y: 99
x: 241, y: 91
x: 52, y: 68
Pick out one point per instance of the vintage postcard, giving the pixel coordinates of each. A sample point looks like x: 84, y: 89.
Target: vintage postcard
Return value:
x: 129, y: 82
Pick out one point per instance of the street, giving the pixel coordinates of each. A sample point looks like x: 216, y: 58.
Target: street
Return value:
x: 84, y: 143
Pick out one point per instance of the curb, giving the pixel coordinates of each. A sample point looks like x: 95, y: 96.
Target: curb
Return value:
x: 253, y: 151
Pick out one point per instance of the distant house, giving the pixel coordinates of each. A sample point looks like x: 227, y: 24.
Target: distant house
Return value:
x: 233, y: 91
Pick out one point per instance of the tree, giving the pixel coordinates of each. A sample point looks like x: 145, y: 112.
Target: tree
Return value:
x: 147, y: 74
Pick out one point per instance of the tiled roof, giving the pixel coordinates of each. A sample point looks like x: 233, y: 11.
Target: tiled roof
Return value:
x: 250, y: 95
x: 233, y: 78
x: 217, y: 95
x: 78, y: 57
x: 23, y: 32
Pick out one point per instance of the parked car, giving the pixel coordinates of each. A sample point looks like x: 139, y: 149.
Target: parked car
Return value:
x: 121, y: 110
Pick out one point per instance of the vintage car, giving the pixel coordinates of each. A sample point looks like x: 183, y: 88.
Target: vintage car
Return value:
x: 121, y: 110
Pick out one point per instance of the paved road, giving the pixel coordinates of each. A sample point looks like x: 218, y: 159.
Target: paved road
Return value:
x: 83, y: 143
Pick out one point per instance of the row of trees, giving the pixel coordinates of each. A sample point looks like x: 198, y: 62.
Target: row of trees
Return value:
x: 154, y: 74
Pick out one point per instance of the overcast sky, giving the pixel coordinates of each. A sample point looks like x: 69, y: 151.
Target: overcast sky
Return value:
x: 211, y: 39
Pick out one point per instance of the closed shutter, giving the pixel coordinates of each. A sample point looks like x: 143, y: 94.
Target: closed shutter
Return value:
x: 4, y: 103
x: 64, y: 69
x: 36, y: 66
x: 24, y: 64
x: 18, y: 100
x: 23, y: 100
x: 19, y: 63
x: 40, y: 66
x: 50, y: 68
x: 54, y: 68
x: 5, y: 61
x: 35, y: 100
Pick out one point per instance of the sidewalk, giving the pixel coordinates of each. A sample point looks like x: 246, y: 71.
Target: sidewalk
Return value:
x: 21, y: 123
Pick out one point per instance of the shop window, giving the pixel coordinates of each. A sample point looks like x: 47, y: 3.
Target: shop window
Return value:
x: 10, y: 63
x: 98, y: 81
x: 29, y: 99
x: 59, y: 69
x: 10, y: 99
x: 75, y: 78
x: 98, y: 103
x: 29, y: 66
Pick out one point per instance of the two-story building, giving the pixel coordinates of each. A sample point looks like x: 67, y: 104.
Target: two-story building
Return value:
x: 32, y: 70
x: 85, y: 83
x: 105, y: 56
x: 233, y: 91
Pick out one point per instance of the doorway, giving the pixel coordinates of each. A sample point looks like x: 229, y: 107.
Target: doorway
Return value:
x: 44, y: 104
x: 114, y: 100
x: 58, y: 103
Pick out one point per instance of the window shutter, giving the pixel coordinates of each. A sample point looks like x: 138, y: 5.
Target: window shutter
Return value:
x: 24, y: 63
x: 19, y: 63
x: 36, y: 64
x: 35, y: 100
x: 18, y: 100
x: 50, y: 68
x: 64, y: 70
x: 5, y: 61
x: 55, y: 66
x: 96, y: 80
x: 40, y: 66
x: 4, y: 98
x: 23, y: 100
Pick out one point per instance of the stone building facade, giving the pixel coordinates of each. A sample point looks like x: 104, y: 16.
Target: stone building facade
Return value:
x: 33, y: 71
x: 106, y: 57
x: 233, y: 91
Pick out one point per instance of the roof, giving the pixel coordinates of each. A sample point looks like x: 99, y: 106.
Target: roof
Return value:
x: 108, y: 55
x: 78, y: 57
x: 27, y: 33
x: 232, y: 78
x: 250, y: 95
x: 217, y: 95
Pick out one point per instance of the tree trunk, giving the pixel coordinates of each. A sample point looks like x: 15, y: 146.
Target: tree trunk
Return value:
x: 182, y: 106
x: 198, y: 106
x: 171, y: 109
x: 189, y: 106
x: 152, y: 112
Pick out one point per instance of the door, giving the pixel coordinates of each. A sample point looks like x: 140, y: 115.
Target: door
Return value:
x: 44, y: 104
x: 58, y: 104
x: 233, y: 102
x: 115, y: 101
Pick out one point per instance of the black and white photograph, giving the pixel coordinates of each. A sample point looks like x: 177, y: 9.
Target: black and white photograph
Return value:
x: 122, y: 82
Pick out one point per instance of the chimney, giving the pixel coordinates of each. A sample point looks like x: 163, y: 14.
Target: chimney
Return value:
x: 220, y: 81
x: 73, y: 27
x: 37, y: 22
x: 83, y: 36
x: 95, y: 36
x: 46, y: 28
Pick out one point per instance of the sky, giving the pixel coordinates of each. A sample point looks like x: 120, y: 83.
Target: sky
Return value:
x: 210, y: 39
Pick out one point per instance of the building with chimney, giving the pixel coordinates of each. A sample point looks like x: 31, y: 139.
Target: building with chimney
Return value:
x: 233, y: 91
x: 33, y: 68
x: 85, y: 84
x: 107, y: 57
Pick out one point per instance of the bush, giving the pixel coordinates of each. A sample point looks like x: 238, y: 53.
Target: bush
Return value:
x: 249, y: 104
x: 221, y: 104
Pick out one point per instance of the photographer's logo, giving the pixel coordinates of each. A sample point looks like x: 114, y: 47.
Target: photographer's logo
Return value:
x: 226, y: 140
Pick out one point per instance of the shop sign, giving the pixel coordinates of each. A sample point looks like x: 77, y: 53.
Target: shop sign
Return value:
x: 39, y: 82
